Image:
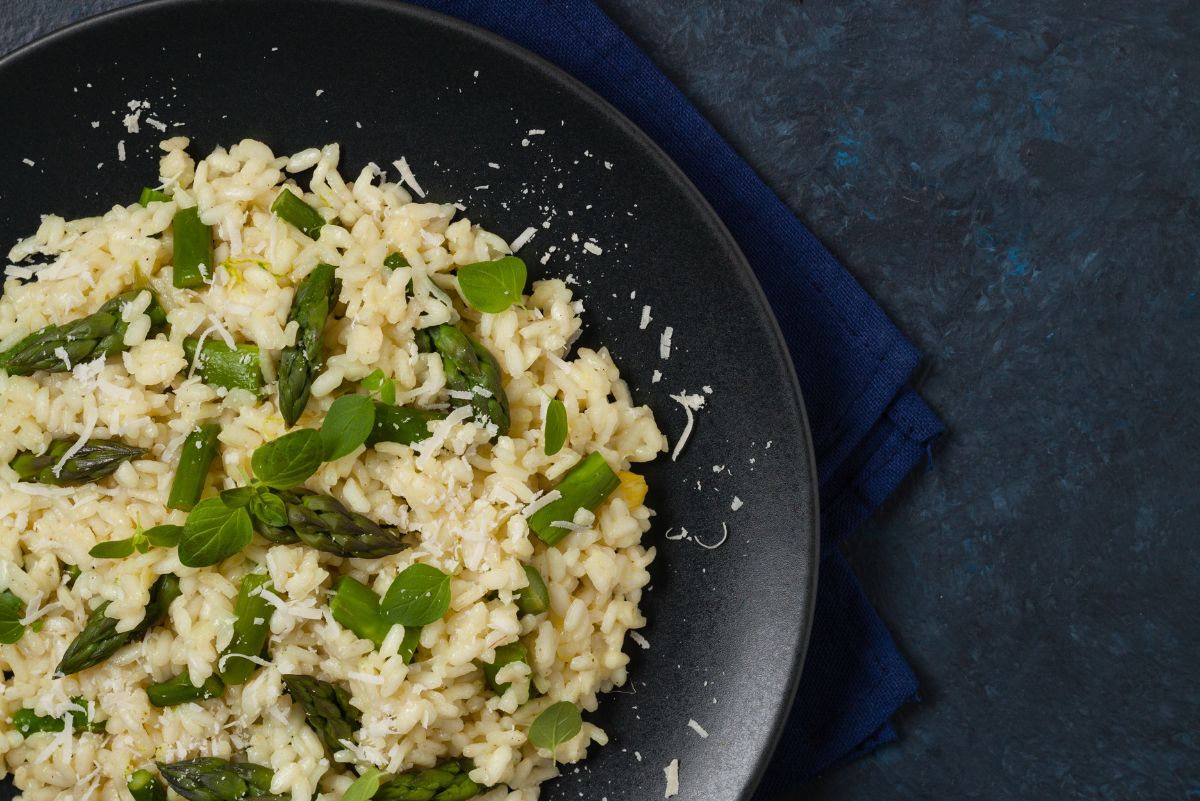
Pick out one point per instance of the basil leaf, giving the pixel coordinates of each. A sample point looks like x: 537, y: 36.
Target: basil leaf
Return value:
x: 270, y: 509
x: 214, y: 532
x: 113, y: 549
x: 238, y: 497
x: 387, y: 393
x: 140, y: 543
x: 364, y: 788
x: 288, y: 461
x: 373, y: 382
x: 164, y: 536
x: 493, y: 286
x: 347, y: 425
x: 559, y: 723
x: 419, y: 596
x: 12, y: 609
x: 556, y: 427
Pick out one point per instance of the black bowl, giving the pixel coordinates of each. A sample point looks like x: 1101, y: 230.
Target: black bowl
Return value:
x: 728, y: 627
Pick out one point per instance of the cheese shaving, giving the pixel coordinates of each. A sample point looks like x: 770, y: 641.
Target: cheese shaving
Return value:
x: 642, y: 642
x: 737, y: 503
x: 696, y: 727
x: 664, y: 343
x: 90, y: 416
x: 690, y: 403
x: 567, y: 524
x: 718, y: 543
x: 540, y: 502
x: 258, y: 660
x: 671, y: 771
x: 522, y: 240
x: 593, y: 248
x: 406, y: 174
x: 646, y: 318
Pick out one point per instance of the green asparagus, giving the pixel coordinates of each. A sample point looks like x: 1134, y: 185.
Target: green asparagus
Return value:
x: 327, y: 709
x: 586, y: 486
x: 300, y: 363
x: 199, y: 450
x: 58, y: 348
x: 95, y: 460
x: 535, y: 598
x: 150, y: 195
x: 213, y: 779
x: 356, y: 607
x: 180, y: 690
x: 322, y: 522
x: 251, y: 629
x: 290, y: 208
x: 26, y: 722
x: 100, y: 639
x: 505, y: 655
x: 194, y: 261
x: 401, y: 424
x: 222, y: 366
x: 470, y: 367
x: 448, y: 781
x: 144, y: 786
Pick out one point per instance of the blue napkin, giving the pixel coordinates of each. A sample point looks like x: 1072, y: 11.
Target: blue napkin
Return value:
x: 869, y: 428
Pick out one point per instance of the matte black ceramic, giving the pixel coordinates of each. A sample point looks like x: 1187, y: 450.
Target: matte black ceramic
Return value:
x: 728, y: 626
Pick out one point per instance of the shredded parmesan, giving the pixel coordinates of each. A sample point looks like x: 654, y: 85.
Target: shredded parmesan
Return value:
x: 690, y: 403
x: 593, y: 248
x: 90, y: 416
x: 522, y: 240
x: 664, y: 343
x: 567, y: 524
x: 646, y: 318
x: 642, y: 642
x: 696, y: 727
x: 671, y: 771
x: 681, y: 535
x: 121, y: 150
x: 737, y: 503
x: 718, y: 543
x: 540, y: 502
x: 258, y: 660
x: 406, y: 174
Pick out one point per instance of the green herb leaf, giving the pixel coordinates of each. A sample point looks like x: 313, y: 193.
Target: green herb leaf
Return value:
x: 12, y: 609
x: 270, y: 509
x: 214, y: 532
x: 347, y: 425
x: 164, y: 536
x: 493, y: 286
x: 364, y: 788
x: 113, y: 549
x: 288, y: 461
x: 556, y: 427
x: 559, y: 723
x: 373, y: 382
x: 419, y: 596
x: 387, y: 393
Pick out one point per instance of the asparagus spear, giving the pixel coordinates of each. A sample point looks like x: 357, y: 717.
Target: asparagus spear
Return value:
x: 199, y: 450
x: 505, y: 655
x: 586, y: 486
x: 448, y: 781
x: 150, y: 195
x: 223, y: 366
x: 292, y: 209
x: 300, y: 363
x: 144, y: 786
x: 95, y: 460
x: 327, y: 709
x: 194, y: 259
x: 180, y: 690
x: 322, y: 522
x: 401, y: 424
x: 57, y: 348
x: 26, y: 722
x: 213, y: 779
x: 534, y: 599
x: 100, y: 639
x: 356, y: 606
x: 251, y: 628
x: 470, y: 367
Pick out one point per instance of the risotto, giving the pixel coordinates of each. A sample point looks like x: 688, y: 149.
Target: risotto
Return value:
x: 298, y: 486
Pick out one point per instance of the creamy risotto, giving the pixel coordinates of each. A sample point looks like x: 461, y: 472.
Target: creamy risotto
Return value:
x: 302, y: 483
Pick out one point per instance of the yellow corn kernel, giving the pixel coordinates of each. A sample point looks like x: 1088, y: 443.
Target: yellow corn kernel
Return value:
x: 633, y: 488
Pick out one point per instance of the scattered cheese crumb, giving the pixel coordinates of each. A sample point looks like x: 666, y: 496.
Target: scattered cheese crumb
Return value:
x: 737, y: 503
x: 608, y: 165
x: 717, y: 468
x: 696, y: 727
x: 690, y: 403
x: 646, y: 318
x: 707, y: 389
x: 592, y: 248
x: 493, y: 165
x: 95, y: 123
x: 90, y: 416
x: 406, y: 174
x: 161, y: 126
x: 30, y: 162
x: 671, y: 771
x: 540, y: 502
x: 718, y: 543
x: 320, y: 92
x: 522, y: 240
x: 642, y: 642
x: 536, y: 131
x: 654, y: 379
x: 664, y: 343
x: 121, y: 150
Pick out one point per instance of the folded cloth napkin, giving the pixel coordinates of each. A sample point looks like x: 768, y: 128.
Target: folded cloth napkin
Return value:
x: 869, y: 428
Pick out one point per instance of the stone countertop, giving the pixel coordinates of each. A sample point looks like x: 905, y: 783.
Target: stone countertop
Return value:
x: 1018, y: 188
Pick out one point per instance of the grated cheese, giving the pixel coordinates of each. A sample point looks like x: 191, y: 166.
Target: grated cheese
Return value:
x: 690, y: 403
x: 671, y: 771
x: 540, y: 502
x: 664, y: 343
x: 522, y: 240
x: 640, y: 640
x: 29, y: 162
x: 406, y: 174
x: 61, y: 353
x: 654, y: 379
x: 592, y: 248
x: 120, y: 150
x: 646, y: 318
x: 696, y: 727
x: 567, y: 524
x: 737, y: 503
x: 258, y: 660
x: 90, y: 415
x: 718, y: 543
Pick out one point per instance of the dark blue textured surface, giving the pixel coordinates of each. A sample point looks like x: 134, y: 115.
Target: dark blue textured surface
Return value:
x: 1015, y: 183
